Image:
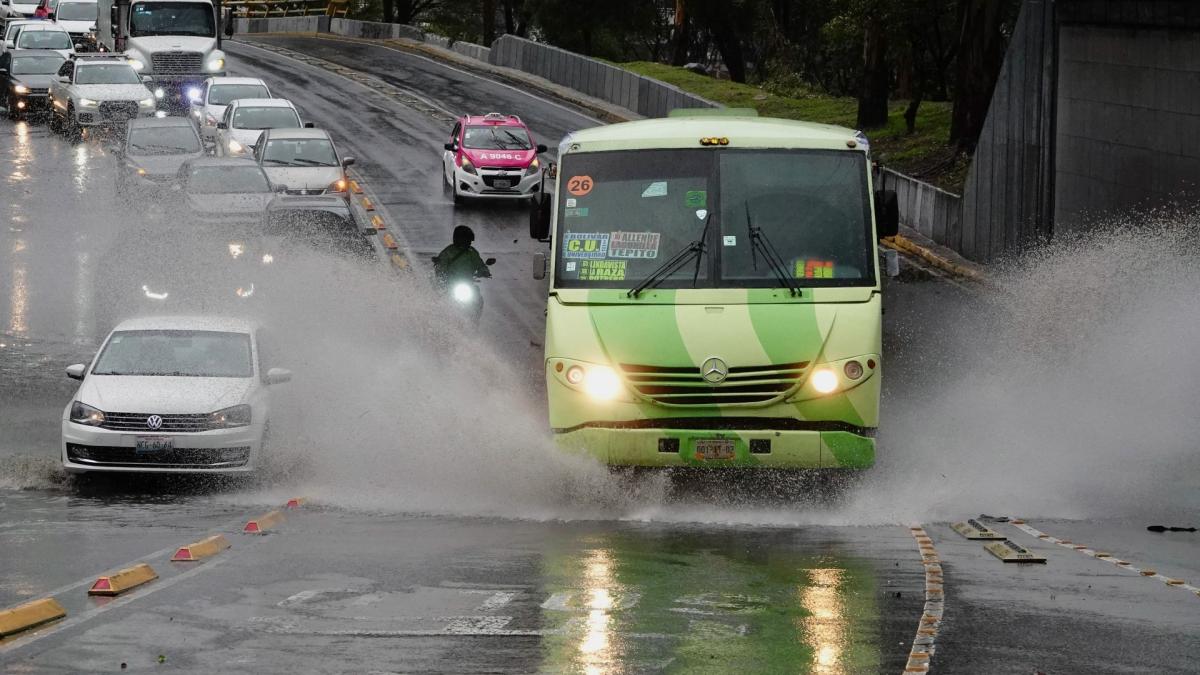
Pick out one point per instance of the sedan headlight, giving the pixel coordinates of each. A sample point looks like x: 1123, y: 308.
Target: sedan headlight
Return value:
x: 235, y: 147
x: 534, y: 167
x: 215, y: 64
x: 20, y: 89
x: 137, y: 64
x: 236, y: 416
x: 82, y: 413
x: 467, y: 166
x: 88, y: 103
x: 338, y: 185
x: 147, y: 102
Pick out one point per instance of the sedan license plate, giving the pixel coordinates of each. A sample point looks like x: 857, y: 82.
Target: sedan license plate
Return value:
x: 150, y: 444
x: 714, y: 449
x: 503, y: 183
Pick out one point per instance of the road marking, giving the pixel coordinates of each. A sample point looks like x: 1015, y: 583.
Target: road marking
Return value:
x: 1104, y: 556
x: 923, y: 647
x: 496, y: 601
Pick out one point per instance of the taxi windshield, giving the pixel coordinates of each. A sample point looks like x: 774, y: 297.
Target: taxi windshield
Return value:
x: 496, y: 137
x: 176, y: 353
x: 623, y: 214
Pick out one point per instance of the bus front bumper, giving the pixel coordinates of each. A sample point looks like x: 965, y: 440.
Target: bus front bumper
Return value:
x: 768, y: 448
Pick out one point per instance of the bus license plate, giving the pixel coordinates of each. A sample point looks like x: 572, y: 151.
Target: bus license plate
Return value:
x: 148, y: 444
x: 714, y: 448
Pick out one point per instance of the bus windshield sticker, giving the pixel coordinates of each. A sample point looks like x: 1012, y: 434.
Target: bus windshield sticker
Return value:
x: 731, y: 240
x: 640, y: 245
x: 571, y: 266
x: 602, y: 270
x: 814, y: 269
x: 701, y: 213
x: 577, y: 212
x: 656, y: 189
x: 696, y: 199
x: 579, y: 185
x: 571, y: 202
x: 586, y: 245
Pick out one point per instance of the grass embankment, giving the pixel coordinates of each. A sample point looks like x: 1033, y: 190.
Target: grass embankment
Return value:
x: 923, y: 153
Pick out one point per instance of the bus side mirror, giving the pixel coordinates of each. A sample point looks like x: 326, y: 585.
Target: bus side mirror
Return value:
x: 113, y: 19
x: 887, y: 213
x: 539, y: 217
x: 539, y: 266
x: 227, y: 20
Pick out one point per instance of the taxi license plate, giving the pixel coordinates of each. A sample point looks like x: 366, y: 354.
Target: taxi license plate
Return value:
x: 714, y: 448
x: 503, y: 183
x: 148, y: 444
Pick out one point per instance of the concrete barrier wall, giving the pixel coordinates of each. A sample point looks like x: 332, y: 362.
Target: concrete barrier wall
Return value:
x: 643, y: 95
x: 374, y: 30
x: 928, y: 209
x: 284, y: 24
x: 469, y: 49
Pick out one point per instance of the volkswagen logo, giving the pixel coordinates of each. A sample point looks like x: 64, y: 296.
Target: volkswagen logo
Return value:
x: 714, y: 371
x: 154, y: 421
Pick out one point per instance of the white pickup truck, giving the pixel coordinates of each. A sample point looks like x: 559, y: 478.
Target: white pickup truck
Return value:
x: 177, y: 42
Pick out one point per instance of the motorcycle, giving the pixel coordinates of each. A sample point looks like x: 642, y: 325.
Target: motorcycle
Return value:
x: 465, y: 294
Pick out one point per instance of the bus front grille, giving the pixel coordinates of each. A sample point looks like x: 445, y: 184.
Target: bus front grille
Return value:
x: 686, y: 386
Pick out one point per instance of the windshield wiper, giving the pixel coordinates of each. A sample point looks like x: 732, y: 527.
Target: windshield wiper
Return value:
x: 166, y: 149
x: 309, y: 162
x: 759, y: 242
x: 695, y: 249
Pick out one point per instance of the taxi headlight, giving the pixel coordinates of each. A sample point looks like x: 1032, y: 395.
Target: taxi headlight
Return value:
x: 20, y: 89
x: 137, y: 64
x: 601, y: 383
x: 824, y: 380
x: 88, y: 103
x: 534, y: 167
x: 82, y: 413
x: 215, y: 64
x: 467, y: 166
x: 236, y: 416
x: 463, y: 292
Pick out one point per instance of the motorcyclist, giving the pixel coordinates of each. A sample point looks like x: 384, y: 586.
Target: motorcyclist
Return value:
x: 460, y: 260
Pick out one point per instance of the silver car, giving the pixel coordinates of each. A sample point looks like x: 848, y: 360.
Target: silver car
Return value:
x: 302, y: 161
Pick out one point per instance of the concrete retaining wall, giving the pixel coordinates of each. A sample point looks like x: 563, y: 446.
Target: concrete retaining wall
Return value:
x: 928, y: 209
x: 643, y: 95
x: 284, y: 24
x: 373, y: 30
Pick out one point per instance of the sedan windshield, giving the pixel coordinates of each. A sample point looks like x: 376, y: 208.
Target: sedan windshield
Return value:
x: 172, y: 18
x: 106, y: 73
x: 43, y: 39
x: 496, y: 138
x: 743, y: 219
x: 300, y: 152
x: 247, y: 179
x: 224, y: 94
x: 265, y: 118
x: 176, y: 353
x: 76, y: 11
x: 47, y: 64
x: 163, y: 140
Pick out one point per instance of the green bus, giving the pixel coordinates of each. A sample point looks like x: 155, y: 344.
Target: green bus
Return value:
x: 714, y: 295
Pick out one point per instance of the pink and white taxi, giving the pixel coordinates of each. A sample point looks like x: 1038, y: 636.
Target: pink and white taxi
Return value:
x: 491, y: 155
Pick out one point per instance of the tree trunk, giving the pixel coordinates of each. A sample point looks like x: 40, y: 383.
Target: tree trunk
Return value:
x: 873, y: 101
x: 510, y: 18
x: 389, y: 11
x: 489, y: 22
x: 731, y: 52
x: 680, y: 40
x: 980, y: 56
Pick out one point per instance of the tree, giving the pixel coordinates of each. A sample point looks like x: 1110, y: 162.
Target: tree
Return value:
x: 876, y: 77
x: 981, y: 49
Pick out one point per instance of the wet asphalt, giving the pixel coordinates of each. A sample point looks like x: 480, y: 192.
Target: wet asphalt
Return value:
x: 396, y: 568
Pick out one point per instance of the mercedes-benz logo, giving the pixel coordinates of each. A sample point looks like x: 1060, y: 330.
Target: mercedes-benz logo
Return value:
x: 154, y: 421
x: 714, y: 371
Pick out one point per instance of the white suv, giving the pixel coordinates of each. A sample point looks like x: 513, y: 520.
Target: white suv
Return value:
x: 93, y: 91
x: 171, y: 395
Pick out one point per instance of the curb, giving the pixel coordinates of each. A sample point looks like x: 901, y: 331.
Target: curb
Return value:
x: 932, y: 258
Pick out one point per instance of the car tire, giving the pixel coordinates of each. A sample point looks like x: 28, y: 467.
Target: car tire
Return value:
x: 456, y: 196
x: 71, y: 127
x: 446, y: 184
x: 55, y: 122
x: 12, y: 108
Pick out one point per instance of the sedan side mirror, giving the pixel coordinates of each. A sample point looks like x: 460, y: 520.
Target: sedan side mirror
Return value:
x: 489, y: 262
x: 539, y: 265
x: 449, y: 146
x: 887, y: 213
x: 222, y: 125
x: 310, y: 125
x: 227, y: 19
x: 147, y: 79
x: 279, y: 376
x: 347, y: 162
x: 64, y: 79
x: 541, y: 148
x: 8, y: 44
x: 75, y: 372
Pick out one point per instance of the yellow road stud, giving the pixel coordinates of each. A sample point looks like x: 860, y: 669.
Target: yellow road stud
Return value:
x: 124, y: 580
x: 29, y: 615
x: 202, y: 549
x: 265, y: 522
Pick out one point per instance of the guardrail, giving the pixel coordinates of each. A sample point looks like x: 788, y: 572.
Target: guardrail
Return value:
x: 248, y: 9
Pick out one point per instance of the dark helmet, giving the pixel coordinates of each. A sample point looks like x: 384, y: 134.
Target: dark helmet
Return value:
x: 463, y: 236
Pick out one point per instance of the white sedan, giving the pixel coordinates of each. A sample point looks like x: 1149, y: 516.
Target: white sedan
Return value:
x: 209, y: 100
x: 246, y: 118
x: 171, y: 395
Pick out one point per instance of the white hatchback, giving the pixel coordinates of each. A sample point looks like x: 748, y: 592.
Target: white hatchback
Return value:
x: 171, y: 395
x: 246, y: 118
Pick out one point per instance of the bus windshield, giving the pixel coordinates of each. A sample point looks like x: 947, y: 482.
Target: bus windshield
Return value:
x: 624, y: 214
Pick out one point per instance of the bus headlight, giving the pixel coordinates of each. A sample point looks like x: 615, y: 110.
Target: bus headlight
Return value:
x: 215, y: 65
x: 824, y: 380
x: 601, y: 383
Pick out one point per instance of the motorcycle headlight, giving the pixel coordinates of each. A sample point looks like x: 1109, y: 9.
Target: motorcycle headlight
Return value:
x: 88, y: 103
x: 20, y: 89
x: 463, y: 292
x: 215, y: 64
x: 236, y: 416
x: 137, y: 64
x: 82, y: 413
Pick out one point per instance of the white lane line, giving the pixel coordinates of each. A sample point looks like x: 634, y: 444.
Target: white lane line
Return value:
x: 923, y: 648
x: 496, y: 601
x: 1102, y: 555
x: 477, y: 76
